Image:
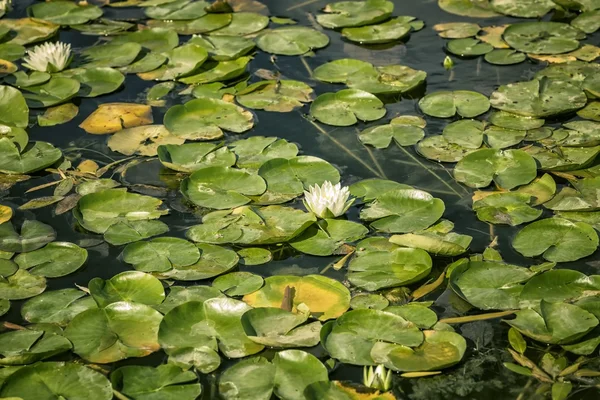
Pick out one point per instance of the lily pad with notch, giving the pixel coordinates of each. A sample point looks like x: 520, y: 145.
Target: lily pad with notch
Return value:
x: 204, y: 119
x: 131, y: 286
x: 543, y: 37
x: 57, y: 306
x: 465, y: 103
x: 346, y: 107
x: 214, y: 260
x: 57, y: 90
x: 224, y: 48
x: 160, y: 254
x: 395, y: 29
x: 32, y: 236
x: 26, y: 346
x: 54, y: 260
x: 278, y: 96
x: 243, y: 24
x: 291, y: 40
x: 190, y: 157
x: 556, y: 239
x: 523, y: 8
x: 403, y: 211
x: 506, y: 208
x: 65, y: 12
x: 177, y: 10
x: 438, y: 240
x: 507, y: 168
x: 327, y: 236
x: 344, y: 14
x: 253, y: 152
x: 274, y: 327
x: 165, y: 381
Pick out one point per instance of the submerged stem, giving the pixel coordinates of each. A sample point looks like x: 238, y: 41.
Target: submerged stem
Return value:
x: 304, y: 3
x: 431, y: 171
x: 347, y: 150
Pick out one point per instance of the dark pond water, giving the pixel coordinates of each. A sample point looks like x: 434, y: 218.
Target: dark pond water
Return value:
x: 481, y: 374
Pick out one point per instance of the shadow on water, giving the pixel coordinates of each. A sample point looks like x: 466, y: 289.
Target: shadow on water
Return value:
x: 481, y: 374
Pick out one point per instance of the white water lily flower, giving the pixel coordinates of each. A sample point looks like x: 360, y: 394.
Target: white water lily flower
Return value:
x: 327, y: 200
x: 48, y: 57
x: 380, y: 378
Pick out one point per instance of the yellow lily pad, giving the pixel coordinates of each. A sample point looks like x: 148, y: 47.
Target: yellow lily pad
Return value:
x: 113, y: 117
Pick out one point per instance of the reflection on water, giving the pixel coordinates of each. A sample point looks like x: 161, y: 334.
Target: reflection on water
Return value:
x: 481, y: 375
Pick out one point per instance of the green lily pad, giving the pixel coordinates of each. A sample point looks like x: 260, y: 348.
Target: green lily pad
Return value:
x: 438, y: 148
x: 556, y: 239
x: 160, y: 254
x: 57, y: 306
x: 166, y: 381
x: 579, y: 5
x: 103, y: 27
x: 467, y: 133
x: 11, y: 51
x: 563, y: 158
x: 509, y: 120
x: 557, y: 286
x: 506, y: 208
x: 501, y: 138
x: 193, y: 333
x: 287, y: 178
x: 295, y: 371
x: 279, y: 96
x: 29, y: 30
x: 587, y: 21
x: 242, y: 24
x: 49, y: 380
x: 375, y: 269
x: 224, y: 48
x: 191, y: 157
x: 351, y: 338
x: 325, y: 298
x: 98, y: 211
x: 505, y: 57
x: 291, y: 40
x: 204, y: 118
x: 58, y: 115
x: 57, y: 90
x: 468, y: 47
x: 507, y: 168
x: 490, y: 285
x: 389, y: 79
x: 111, y: 55
x: 132, y: 231
x: 118, y: 331
x: 27, y: 346
x: 346, y: 107
x: 355, y: 13
x: 34, y: 157
x: 418, y: 314
x: 523, y: 8
x: 254, y: 256
x: 95, y: 81
x: 179, y: 295
x: 132, y: 286
x: 206, y: 23
x: 327, y: 236
x: 250, y: 379
x: 402, y: 134
x: 33, y: 235
x: 543, y: 37
x: 21, y: 285
x: 147, y: 63
x: 65, y: 12
x: 154, y: 39
x: 590, y: 111
x: 441, y: 349
x: 253, y: 152
x: 339, y: 71
x: 446, y: 104
x: 468, y: 8
x: 54, y: 260
x: 457, y: 30
x: 13, y: 107
x: 238, y: 283
x: 222, y: 187
x: 580, y: 74
x: 538, y: 98
x: 371, y: 189
x: 389, y: 31
x: 214, y: 260
x: 177, y: 10
x: 438, y: 240
x: 403, y: 210
x: 370, y: 301
x: 275, y: 327
x: 252, y: 226
x: 558, y: 323
x: 182, y: 61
